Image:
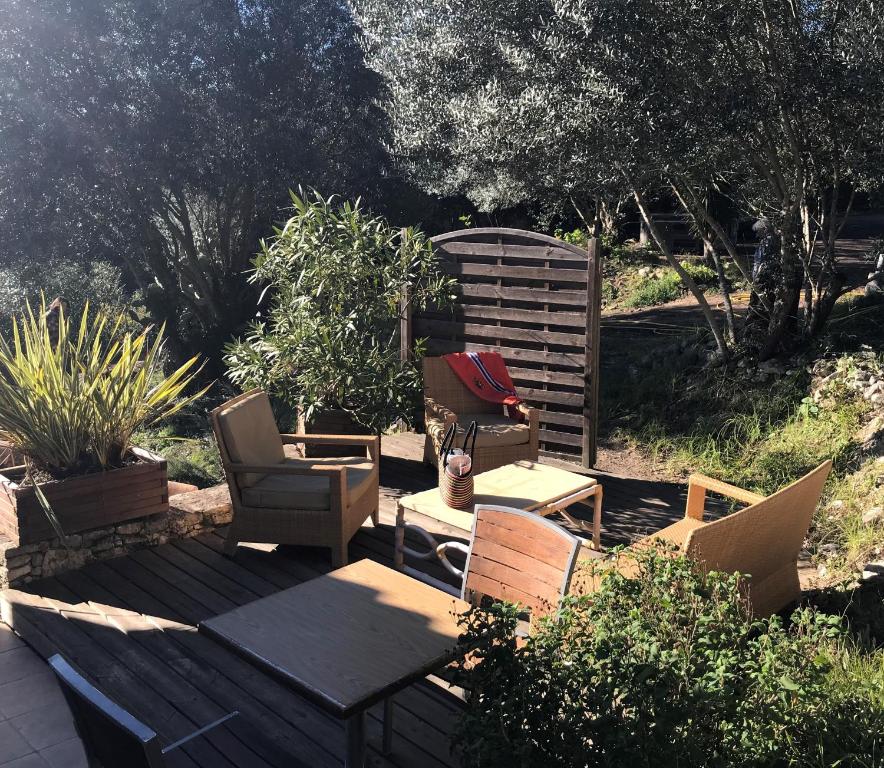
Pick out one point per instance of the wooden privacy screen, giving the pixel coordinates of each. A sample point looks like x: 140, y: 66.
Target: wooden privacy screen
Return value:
x: 535, y: 300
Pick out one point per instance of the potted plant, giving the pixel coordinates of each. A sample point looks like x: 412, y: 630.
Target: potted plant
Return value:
x: 70, y: 399
x: 338, y: 281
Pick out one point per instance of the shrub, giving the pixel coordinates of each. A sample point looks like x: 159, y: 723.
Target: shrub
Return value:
x: 71, y: 401
x: 665, y: 668
x: 335, y: 275
x: 96, y: 282
x: 191, y: 459
x: 702, y: 275
x: 651, y: 291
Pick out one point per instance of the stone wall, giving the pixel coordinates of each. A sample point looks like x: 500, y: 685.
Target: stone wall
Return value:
x: 189, y: 514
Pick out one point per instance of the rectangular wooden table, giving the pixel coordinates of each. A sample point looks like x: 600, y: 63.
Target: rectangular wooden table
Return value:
x: 347, y: 640
x: 525, y: 485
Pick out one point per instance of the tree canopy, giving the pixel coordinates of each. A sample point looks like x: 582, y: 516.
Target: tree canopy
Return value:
x: 774, y: 105
x: 163, y: 136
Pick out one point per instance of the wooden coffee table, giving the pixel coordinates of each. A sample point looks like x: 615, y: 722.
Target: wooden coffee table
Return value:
x: 347, y: 640
x: 525, y: 485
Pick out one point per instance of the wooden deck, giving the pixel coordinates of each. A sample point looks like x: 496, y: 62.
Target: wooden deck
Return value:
x: 130, y: 625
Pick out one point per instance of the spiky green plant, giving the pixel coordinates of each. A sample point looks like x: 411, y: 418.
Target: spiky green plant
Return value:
x: 71, y: 400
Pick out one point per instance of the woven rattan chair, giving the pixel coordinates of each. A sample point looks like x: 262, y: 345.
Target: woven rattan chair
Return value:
x: 500, y: 440
x: 761, y: 540
x: 280, y: 498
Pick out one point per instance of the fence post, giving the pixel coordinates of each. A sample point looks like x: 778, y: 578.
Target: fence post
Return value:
x: 591, y: 353
x: 405, y: 349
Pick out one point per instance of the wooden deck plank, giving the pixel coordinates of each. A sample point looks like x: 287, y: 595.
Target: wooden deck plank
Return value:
x: 215, y: 671
x: 130, y: 624
x: 116, y: 680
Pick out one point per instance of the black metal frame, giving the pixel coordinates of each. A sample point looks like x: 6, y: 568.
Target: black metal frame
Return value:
x: 86, y: 700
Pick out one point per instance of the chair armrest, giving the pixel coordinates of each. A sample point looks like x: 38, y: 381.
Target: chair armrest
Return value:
x: 328, y: 470
x: 435, y: 410
x: 531, y: 415
x: 370, y: 442
x: 698, y: 485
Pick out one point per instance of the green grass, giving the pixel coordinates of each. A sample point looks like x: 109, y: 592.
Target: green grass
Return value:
x: 758, y: 435
x: 652, y: 291
x: 192, y: 459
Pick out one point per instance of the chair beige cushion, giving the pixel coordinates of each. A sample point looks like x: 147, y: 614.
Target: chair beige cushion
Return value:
x: 308, y: 491
x: 495, y: 431
x: 251, y: 435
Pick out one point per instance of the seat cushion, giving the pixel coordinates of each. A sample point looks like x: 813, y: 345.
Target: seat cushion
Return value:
x: 308, y: 491
x: 251, y: 435
x: 495, y: 431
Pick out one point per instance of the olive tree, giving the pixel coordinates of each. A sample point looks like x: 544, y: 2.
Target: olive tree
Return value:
x: 163, y: 137
x: 773, y: 105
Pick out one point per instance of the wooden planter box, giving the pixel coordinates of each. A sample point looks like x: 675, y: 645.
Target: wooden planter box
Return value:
x: 90, y: 501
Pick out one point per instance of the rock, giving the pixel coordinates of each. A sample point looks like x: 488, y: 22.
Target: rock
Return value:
x: 868, y: 436
x: 129, y: 528
x: 206, y: 503
x: 873, y: 571
x: 829, y: 550
x: 176, y: 488
x: 771, y: 366
x: 837, y: 504
x: 873, y: 515
x: 822, y: 571
x: 18, y: 561
x: 182, y: 523
x: 14, y: 574
x: 877, y: 398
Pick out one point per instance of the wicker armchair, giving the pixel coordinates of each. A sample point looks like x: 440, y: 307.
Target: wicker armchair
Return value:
x: 280, y: 498
x: 762, y: 540
x: 500, y: 439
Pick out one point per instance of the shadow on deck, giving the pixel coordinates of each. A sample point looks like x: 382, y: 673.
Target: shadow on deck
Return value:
x: 130, y: 625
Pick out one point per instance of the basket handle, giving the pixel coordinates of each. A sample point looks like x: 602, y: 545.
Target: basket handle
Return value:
x: 473, y: 430
x: 447, y: 442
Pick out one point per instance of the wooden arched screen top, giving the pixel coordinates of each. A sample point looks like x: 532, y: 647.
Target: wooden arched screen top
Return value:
x: 535, y: 238
x: 519, y: 557
x: 536, y: 300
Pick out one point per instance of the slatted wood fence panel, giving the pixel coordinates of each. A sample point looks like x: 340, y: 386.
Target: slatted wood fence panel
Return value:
x: 535, y: 300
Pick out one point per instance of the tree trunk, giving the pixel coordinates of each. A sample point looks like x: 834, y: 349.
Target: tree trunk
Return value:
x: 663, y: 245
x: 785, y: 294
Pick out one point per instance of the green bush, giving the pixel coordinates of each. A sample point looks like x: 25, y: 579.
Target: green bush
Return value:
x: 329, y: 340
x: 97, y: 282
x: 192, y: 459
x: 71, y: 399
x: 651, y: 291
x: 702, y: 275
x: 667, y: 668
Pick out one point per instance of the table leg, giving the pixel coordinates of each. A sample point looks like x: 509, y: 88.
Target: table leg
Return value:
x: 399, y: 539
x: 387, y: 746
x: 355, y: 728
x: 597, y: 518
